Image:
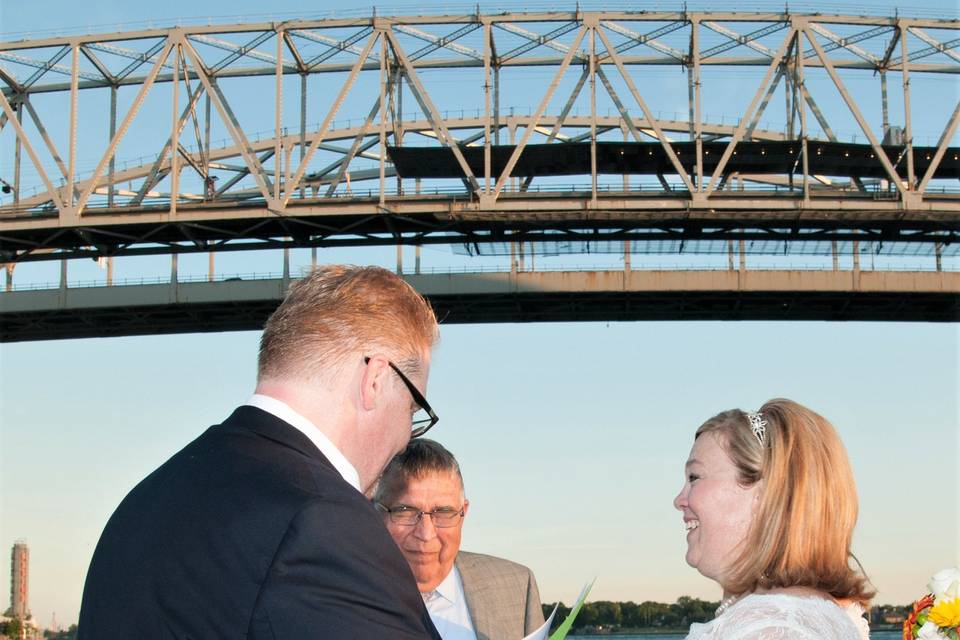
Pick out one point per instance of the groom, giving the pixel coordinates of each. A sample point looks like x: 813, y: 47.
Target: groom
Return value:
x: 259, y: 528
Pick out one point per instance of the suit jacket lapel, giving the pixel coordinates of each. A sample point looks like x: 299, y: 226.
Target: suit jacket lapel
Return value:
x: 473, y: 589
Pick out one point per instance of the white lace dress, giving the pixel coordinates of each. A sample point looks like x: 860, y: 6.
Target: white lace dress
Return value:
x: 780, y: 616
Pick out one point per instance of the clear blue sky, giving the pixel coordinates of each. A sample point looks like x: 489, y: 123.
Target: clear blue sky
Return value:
x: 572, y: 437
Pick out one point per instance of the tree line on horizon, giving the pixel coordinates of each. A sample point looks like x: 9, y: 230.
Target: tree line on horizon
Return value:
x: 606, y: 614
x: 602, y: 614
x: 629, y: 615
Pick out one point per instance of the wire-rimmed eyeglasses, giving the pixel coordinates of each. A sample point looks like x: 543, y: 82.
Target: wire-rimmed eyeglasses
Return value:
x: 409, y: 516
x: 419, y: 425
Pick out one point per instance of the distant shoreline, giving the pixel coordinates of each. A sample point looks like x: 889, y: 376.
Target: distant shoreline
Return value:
x: 649, y: 631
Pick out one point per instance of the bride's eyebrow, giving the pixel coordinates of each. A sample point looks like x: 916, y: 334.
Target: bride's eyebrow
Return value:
x: 691, y: 462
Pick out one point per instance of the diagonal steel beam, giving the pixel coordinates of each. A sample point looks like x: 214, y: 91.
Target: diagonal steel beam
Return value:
x: 891, y: 47
x: 248, y: 51
x: 44, y: 67
x: 154, y: 177
x: 775, y: 63
x: 929, y: 51
x: 51, y: 148
x: 877, y: 149
x: 95, y: 61
x: 317, y: 137
x: 22, y: 136
x: 446, y: 42
x: 818, y: 114
x: 619, y: 104
x: 561, y: 119
x: 357, y: 140
x: 243, y: 173
x: 748, y: 40
x: 122, y: 52
x: 7, y: 76
x: 942, y: 144
x: 846, y: 43
x: 337, y: 163
x: 535, y: 39
x: 737, y: 40
x: 294, y: 51
x: 433, y: 116
x: 335, y: 46
x: 933, y: 42
x: 143, y: 58
x: 244, y: 50
x: 648, y: 39
x: 528, y: 131
x: 122, y: 131
x: 232, y: 124
x: 671, y: 154
x: 748, y: 134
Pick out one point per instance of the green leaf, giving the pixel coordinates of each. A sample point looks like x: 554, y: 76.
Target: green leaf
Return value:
x: 566, y: 625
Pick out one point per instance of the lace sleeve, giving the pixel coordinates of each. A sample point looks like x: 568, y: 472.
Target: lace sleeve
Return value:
x: 770, y: 631
x: 764, y: 624
x: 785, y: 618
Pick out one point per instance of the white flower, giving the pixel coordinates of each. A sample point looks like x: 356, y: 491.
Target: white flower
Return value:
x: 945, y: 585
x: 930, y: 631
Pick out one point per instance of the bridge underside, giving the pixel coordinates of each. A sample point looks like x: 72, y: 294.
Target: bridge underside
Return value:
x: 633, y: 158
x: 556, y: 217
x: 503, y: 297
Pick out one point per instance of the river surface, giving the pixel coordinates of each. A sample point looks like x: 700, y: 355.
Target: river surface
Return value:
x: 876, y: 635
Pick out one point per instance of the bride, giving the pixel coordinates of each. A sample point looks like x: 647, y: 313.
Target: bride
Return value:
x: 769, y: 504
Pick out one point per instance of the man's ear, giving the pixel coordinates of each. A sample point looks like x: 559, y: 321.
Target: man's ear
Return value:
x: 466, y: 507
x: 373, y: 381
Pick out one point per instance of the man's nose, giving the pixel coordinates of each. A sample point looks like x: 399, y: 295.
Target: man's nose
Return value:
x: 425, y: 529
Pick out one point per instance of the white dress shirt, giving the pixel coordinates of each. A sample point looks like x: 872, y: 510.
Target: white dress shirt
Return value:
x: 283, y: 411
x: 447, y: 606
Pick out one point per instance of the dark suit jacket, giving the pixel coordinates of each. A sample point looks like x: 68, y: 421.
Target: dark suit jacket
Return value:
x: 249, y: 532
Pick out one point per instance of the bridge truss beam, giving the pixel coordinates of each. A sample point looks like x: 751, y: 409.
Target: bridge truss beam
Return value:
x: 301, y: 188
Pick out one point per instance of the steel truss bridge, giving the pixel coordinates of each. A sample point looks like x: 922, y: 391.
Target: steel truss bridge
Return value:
x: 300, y: 134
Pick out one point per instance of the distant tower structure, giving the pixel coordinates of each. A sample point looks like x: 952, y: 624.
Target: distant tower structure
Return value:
x: 19, y: 580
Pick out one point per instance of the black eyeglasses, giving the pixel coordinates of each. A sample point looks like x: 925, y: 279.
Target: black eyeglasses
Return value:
x: 409, y: 516
x: 419, y: 425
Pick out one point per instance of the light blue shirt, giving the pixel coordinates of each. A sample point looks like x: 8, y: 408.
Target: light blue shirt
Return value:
x: 447, y: 605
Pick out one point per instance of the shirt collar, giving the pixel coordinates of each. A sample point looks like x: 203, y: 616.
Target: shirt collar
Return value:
x: 283, y: 411
x: 451, y: 587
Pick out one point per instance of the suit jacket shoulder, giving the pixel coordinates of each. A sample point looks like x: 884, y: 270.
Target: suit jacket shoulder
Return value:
x: 220, y: 540
x: 502, y: 596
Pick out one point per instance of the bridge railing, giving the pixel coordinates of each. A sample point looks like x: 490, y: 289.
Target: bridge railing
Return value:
x: 479, y: 269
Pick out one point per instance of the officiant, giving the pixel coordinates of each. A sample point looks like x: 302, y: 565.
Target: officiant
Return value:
x: 470, y: 596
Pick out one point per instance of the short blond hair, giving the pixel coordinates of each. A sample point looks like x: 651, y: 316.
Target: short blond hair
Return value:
x: 803, y: 528
x: 339, y: 310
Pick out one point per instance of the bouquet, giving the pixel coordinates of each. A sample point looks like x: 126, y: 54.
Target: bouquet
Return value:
x: 936, y: 616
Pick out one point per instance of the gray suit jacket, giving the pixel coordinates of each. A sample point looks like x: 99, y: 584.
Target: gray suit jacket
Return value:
x: 502, y: 596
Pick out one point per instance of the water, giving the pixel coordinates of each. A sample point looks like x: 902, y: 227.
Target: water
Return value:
x: 876, y: 635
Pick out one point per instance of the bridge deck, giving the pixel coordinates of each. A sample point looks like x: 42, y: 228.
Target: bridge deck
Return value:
x: 503, y: 297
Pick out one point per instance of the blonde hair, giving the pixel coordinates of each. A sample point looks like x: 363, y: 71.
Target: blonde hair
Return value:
x: 340, y: 310
x: 803, y: 528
